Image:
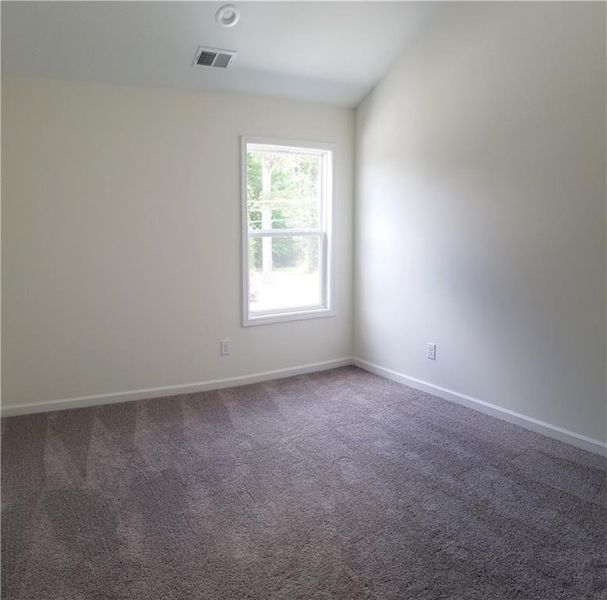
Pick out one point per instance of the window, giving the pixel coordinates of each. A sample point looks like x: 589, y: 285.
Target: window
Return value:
x: 287, y: 198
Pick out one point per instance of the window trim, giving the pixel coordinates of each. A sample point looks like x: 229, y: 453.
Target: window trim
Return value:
x: 328, y: 292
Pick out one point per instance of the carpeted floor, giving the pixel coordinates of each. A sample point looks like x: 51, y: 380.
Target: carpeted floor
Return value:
x: 333, y: 485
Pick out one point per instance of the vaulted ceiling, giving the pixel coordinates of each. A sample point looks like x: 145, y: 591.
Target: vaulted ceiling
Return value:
x: 331, y: 52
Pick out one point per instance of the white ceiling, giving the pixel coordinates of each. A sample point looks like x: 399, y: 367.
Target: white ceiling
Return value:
x: 327, y: 51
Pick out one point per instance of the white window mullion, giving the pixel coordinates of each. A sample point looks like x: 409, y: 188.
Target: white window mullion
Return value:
x: 285, y: 232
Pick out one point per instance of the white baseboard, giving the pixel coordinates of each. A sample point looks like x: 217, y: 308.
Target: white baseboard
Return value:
x: 173, y: 390
x: 553, y: 431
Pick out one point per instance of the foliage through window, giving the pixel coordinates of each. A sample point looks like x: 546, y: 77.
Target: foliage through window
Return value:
x: 286, y: 218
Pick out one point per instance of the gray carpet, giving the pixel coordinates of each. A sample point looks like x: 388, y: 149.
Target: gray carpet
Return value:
x: 333, y: 485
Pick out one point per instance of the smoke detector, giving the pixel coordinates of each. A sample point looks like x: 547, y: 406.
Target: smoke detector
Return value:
x: 213, y: 57
x: 227, y: 15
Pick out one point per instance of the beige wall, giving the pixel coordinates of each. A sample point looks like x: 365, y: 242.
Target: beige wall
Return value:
x: 480, y: 210
x: 480, y: 224
x: 121, y: 238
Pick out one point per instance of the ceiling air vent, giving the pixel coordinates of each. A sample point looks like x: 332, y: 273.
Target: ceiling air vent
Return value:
x: 214, y: 57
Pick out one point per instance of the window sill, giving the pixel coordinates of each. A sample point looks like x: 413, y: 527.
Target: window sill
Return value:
x: 285, y: 317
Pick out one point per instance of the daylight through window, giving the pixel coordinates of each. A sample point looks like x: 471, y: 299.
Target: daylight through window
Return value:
x: 287, y: 245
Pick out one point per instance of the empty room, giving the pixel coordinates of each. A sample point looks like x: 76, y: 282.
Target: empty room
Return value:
x: 304, y: 300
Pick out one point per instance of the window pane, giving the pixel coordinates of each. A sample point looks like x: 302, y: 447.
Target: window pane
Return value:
x: 283, y: 189
x: 284, y: 272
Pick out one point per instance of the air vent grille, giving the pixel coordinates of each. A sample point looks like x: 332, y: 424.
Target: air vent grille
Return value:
x: 213, y: 57
x: 206, y: 58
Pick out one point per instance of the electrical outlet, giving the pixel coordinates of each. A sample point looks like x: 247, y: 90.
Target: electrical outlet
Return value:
x: 225, y: 347
x: 431, y: 351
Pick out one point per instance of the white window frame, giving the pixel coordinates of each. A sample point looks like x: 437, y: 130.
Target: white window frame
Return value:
x: 325, y: 309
